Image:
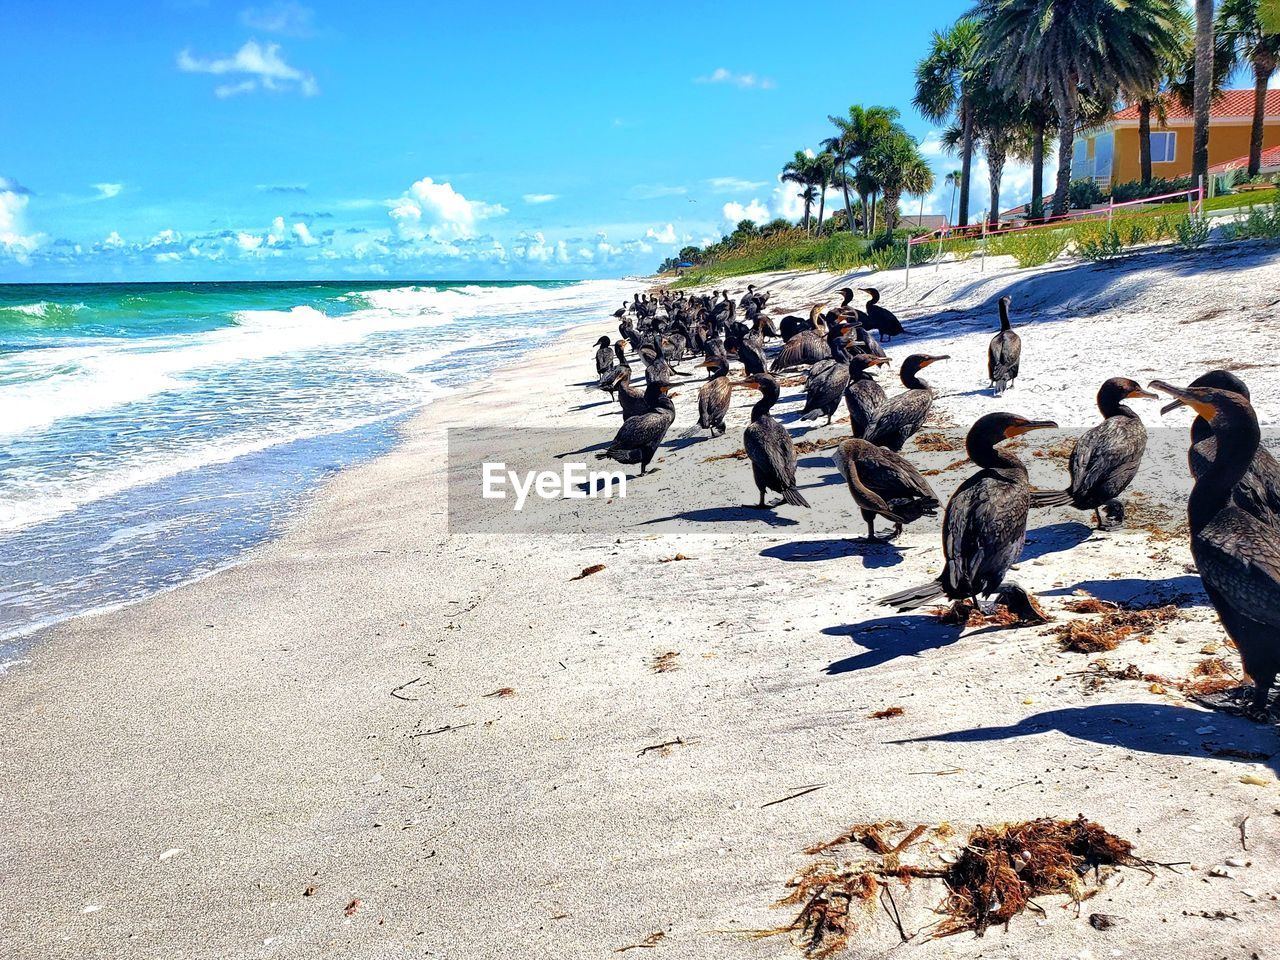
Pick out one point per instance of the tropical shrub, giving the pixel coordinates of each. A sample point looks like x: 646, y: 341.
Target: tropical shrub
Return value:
x: 1191, y: 232
x: 1031, y: 248
x: 1135, y: 190
x: 1084, y: 193
x: 1098, y: 241
x: 1262, y: 223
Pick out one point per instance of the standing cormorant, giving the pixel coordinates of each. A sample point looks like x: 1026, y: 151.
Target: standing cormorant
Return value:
x: 1004, y: 355
x: 985, y: 524
x: 864, y: 395
x: 1105, y: 458
x: 605, y: 359
x: 639, y: 437
x: 897, y: 419
x: 773, y: 455
x: 1259, y: 492
x: 1238, y: 555
x: 878, y: 318
x: 885, y: 484
x: 714, y: 396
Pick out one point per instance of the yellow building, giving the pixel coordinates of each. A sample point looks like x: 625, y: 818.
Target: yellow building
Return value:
x: 1109, y: 154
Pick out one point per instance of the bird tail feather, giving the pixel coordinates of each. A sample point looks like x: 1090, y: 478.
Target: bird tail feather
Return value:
x: 914, y: 597
x: 794, y: 497
x: 1050, y: 498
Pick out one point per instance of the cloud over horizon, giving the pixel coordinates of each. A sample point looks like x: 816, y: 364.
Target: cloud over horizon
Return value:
x: 263, y: 66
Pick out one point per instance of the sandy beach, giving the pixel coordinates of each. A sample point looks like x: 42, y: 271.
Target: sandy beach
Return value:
x: 373, y: 739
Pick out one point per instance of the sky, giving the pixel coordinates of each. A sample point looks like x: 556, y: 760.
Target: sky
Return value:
x: 282, y: 139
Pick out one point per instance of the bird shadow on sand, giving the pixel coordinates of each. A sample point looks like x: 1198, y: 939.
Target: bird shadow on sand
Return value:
x: 1183, y: 591
x: 727, y: 515
x: 888, y: 638
x: 874, y: 555
x: 1157, y: 728
x: 589, y: 406
x: 603, y: 445
x: 1055, y: 538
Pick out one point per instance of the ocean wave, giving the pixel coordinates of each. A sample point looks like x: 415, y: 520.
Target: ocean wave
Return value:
x: 43, y: 313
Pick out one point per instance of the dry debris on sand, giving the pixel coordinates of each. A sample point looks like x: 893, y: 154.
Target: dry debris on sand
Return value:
x: 1114, y: 626
x: 991, y: 879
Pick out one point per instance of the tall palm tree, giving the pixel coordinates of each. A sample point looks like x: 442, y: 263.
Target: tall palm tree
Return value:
x: 898, y: 168
x: 1041, y: 120
x: 854, y: 137
x: 952, y: 180
x: 1150, y: 95
x: 1203, y: 92
x: 800, y: 170
x: 1243, y: 40
x: 944, y: 81
x: 824, y: 170
x: 1072, y: 46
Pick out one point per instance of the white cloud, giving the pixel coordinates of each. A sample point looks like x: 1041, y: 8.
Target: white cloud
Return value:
x: 436, y: 210
x: 13, y: 204
x: 303, y: 234
x: 165, y: 238
x: 787, y: 202
x: 248, y: 241
x: 734, y: 185
x: 170, y: 257
x: 107, y: 190
x: 263, y: 66
x: 666, y: 235
x: 735, y: 212
x: 287, y: 17
x: 113, y: 241
x: 540, y: 197
x: 747, y: 81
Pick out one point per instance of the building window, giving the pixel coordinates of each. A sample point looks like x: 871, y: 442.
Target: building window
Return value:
x: 1164, y: 147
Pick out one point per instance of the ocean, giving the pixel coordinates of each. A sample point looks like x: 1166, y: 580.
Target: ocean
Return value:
x: 151, y: 433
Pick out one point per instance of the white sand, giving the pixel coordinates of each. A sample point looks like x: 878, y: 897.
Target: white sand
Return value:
x: 246, y: 721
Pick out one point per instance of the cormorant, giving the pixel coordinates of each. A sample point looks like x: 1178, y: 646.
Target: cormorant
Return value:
x: 807, y: 346
x: 985, y: 524
x: 639, y: 437
x: 714, y: 395
x: 878, y: 318
x: 864, y: 395
x: 1238, y: 555
x: 897, y: 419
x: 790, y: 325
x: 1259, y: 492
x: 1004, y: 355
x: 773, y: 455
x: 605, y: 359
x: 1105, y: 458
x: 827, y: 380
x: 884, y: 483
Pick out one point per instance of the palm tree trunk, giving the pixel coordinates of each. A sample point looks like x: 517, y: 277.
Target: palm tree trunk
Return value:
x: 966, y: 158
x: 1204, y: 77
x: 865, y: 215
x: 1144, y: 139
x: 807, y: 206
x: 871, y: 220
x: 1261, y: 74
x: 1037, y: 172
x: 891, y: 198
x: 1065, y: 100
x: 848, y: 207
x: 822, y: 203
x: 995, y: 168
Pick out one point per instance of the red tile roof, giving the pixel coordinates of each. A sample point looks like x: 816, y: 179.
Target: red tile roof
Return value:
x: 1270, y: 159
x: 1230, y: 104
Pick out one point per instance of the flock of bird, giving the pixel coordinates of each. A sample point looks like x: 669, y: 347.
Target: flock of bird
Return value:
x: 1233, y: 510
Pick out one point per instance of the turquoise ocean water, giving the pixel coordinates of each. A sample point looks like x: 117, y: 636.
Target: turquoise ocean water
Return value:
x: 150, y: 433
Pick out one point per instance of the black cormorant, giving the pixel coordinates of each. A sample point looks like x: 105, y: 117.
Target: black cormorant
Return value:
x: 1004, y: 355
x: 885, y: 484
x: 773, y: 455
x: 897, y: 419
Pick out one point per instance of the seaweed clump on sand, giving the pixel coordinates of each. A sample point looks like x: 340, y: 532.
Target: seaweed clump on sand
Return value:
x: 1112, y: 628
x: 995, y: 876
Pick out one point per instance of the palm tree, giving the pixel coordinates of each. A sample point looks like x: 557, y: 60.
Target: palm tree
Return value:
x: 800, y: 170
x: 898, y: 168
x: 1150, y: 96
x: 854, y: 138
x: 1072, y: 46
x: 824, y: 171
x: 1243, y: 39
x: 952, y: 180
x: 1203, y: 92
x: 944, y: 80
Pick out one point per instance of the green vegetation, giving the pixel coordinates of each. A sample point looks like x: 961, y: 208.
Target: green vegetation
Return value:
x: 1262, y: 223
x: 1030, y: 248
x: 1083, y: 194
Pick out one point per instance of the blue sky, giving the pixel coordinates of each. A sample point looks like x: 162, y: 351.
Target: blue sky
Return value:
x: 259, y: 139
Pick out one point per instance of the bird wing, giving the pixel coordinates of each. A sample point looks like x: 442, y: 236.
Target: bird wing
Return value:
x: 899, y: 417
x: 1106, y: 457
x: 1239, y: 556
x: 983, y: 530
x: 771, y: 451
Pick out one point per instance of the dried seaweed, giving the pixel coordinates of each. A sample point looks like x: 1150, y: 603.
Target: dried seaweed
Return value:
x: 1111, y: 629
x: 935, y: 443
x: 588, y: 571
x: 886, y: 713
x: 665, y: 662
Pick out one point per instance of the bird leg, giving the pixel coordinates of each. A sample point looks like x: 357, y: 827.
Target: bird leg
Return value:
x: 1020, y: 603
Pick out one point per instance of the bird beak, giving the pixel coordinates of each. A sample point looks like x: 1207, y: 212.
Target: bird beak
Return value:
x: 1205, y: 410
x: 672, y: 393
x: 1020, y: 428
x: 749, y: 384
x: 1141, y: 395
x: 930, y: 360
x: 879, y: 361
